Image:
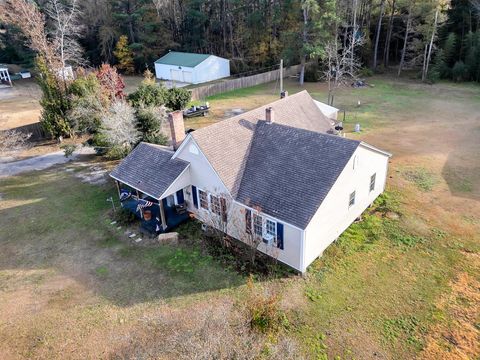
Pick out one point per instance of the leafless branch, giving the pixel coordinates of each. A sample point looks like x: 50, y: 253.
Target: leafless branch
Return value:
x: 12, y: 141
x: 119, y: 125
x: 341, y: 65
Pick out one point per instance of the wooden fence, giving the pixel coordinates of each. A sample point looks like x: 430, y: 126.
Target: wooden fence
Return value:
x: 36, y: 129
x: 233, y: 84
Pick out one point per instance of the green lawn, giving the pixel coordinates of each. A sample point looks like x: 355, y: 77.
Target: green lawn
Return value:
x: 402, y: 283
x: 51, y: 218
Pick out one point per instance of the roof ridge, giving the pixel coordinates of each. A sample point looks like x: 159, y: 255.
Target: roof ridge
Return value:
x: 311, y: 131
x: 158, y: 146
x: 239, y: 116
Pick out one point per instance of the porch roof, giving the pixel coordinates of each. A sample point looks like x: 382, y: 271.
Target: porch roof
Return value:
x: 150, y: 169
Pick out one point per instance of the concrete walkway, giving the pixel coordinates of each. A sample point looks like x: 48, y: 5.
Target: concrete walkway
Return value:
x: 41, y: 162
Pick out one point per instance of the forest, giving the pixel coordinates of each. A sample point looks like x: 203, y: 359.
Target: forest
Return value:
x: 439, y: 38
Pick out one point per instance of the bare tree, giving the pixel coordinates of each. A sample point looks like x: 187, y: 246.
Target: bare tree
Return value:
x: 225, y: 219
x: 12, y: 141
x: 118, y: 125
x: 386, y: 52
x: 160, y: 5
x: 405, y: 39
x: 27, y: 16
x: 58, y: 46
x: 66, y: 30
x: 377, y: 35
x: 428, y: 47
x: 341, y: 66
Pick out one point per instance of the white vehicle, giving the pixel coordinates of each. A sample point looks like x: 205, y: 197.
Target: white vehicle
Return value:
x: 25, y: 74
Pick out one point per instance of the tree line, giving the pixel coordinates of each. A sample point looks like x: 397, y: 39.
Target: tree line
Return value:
x: 255, y: 34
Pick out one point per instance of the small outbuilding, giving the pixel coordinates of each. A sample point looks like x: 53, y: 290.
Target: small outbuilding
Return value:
x: 191, y: 68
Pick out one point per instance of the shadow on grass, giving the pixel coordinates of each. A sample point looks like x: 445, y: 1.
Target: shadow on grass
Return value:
x: 69, y: 230
x: 462, y: 168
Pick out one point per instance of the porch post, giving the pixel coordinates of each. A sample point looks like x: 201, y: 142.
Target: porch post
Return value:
x: 162, y: 214
x: 118, y: 188
x: 138, y: 198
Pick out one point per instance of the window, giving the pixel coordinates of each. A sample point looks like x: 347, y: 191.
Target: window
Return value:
x: 203, y: 199
x: 270, y: 230
x: 215, y: 205
x: 170, y: 200
x: 372, y: 182
x: 351, y: 202
x: 193, y: 149
x: 257, y: 225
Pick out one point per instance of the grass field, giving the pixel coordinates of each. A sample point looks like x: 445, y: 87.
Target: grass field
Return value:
x: 403, y: 283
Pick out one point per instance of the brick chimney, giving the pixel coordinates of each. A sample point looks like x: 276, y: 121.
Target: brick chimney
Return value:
x: 283, y: 94
x: 177, y: 128
x: 269, y: 115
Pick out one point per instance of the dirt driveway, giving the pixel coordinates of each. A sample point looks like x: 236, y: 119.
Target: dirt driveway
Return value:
x: 19, y: 104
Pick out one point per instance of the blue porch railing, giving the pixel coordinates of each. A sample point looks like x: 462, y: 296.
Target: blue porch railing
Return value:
x: 150, y: 216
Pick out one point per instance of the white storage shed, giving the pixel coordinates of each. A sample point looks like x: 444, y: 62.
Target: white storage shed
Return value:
x: 191, y: 68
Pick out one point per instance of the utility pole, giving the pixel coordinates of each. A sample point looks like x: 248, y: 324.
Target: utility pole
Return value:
x: 281, y: 76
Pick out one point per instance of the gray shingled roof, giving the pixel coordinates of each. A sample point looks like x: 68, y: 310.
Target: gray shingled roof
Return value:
x: 226, y: 144
x: 150, y: 169
x: 289, y: 171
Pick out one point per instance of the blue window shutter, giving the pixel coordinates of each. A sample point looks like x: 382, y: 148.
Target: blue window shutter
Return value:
x: 248, y: 221
x: 223, y: 204
x: 280, y: 235
x: 180, y: 198
x: 195, y: 198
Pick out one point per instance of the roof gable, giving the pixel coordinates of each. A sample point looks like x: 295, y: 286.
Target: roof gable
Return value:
x: 150, y: 169
x: 182, y: 59
x: 226, y: 144
x: 290, y: 171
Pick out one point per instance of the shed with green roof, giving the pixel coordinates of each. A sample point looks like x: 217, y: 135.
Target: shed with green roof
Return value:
x: 191, y: 68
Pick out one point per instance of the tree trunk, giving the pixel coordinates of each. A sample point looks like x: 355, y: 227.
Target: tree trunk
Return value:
x: 304, y: 38
x: 405, y: 41
x: 302, y: 69
x: 354, y: 33
x: 386, y: 53
x: 429, y: 55
x: 377, y: 36
x: 424, y: 61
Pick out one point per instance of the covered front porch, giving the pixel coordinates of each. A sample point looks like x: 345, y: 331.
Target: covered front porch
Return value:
x: 152, y: 185
x: 156, y: 216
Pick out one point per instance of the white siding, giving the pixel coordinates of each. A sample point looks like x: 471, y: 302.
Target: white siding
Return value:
x: 334, y: 215
x: 327, y: 110
x: 212, y: 68
x: 301, y: 247
x: 204, y: 177
x: 182, y: 181
x: 292, y: 237
x: 202, y: 174
x: 165, y: 72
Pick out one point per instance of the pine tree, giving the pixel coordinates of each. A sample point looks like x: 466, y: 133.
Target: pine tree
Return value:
x: 55, y: 103
x: 124, y: 56
x: 472, y: 60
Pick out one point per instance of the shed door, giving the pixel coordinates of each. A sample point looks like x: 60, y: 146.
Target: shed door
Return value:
x: 176, y: 75
x: 187, y: 76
